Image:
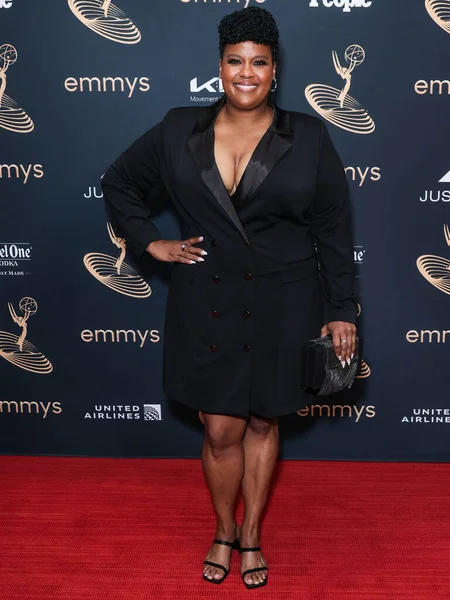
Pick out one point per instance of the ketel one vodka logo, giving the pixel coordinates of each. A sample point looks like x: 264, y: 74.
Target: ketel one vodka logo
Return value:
x: 12, y: 116
x: 336, y: 105
x: 115, y: 273
x: 16, y: 348
x: 106, y: 20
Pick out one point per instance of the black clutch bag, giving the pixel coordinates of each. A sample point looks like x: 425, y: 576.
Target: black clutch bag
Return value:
x: 322, y: 372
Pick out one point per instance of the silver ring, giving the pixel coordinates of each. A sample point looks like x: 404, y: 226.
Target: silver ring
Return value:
x: 344, y: 342
x: 183, y: 247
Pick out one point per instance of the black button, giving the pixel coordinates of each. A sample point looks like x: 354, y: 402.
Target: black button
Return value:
x: 214, y: 313
x: 248, y: 276
x: 213, y: 348
x: 213, y: 243
x: 216, y: 279
x: 247, y: 348
x: 246, y: 313
x: 244, y: 241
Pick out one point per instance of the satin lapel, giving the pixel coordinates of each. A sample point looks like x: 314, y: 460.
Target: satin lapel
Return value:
x: 272, y: 147
x: 201, y: 146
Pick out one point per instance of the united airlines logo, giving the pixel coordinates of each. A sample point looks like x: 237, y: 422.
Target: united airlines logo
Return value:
x: 12, y: 116
x: 106, y: 20
x: 439, y: 11
x: 336, y: 105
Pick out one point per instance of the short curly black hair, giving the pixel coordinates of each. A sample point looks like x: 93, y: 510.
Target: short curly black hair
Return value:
x: 253, y: 24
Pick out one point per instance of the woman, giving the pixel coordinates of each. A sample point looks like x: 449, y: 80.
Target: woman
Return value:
x: 262, y: 199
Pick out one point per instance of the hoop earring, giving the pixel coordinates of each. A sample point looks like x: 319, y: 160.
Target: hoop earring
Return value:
x: 276, y: 85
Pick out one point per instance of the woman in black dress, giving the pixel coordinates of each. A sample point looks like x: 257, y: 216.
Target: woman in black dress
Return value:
x: 264, y: 264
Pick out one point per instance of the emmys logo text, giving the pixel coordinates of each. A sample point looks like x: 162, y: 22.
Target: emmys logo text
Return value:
x: 360, y: 174
x: 434, y: 87
x: 107, y: 84
x: 32, y: 408
x: 245, y: 3
x: 135, y: 336
x: 427, y: 336
x: 5, y: 3
x: 346, y: 5
x: 22, y: 172
x: 338, y: 410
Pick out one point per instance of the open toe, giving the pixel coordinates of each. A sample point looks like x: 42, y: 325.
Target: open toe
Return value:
x: 253, y: 582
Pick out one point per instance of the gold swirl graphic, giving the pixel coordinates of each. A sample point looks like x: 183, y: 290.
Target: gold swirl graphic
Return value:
x: 364, y: 370
x: 439, y: 11
x: 17, y: 349
x: 337, y: 106
x: 12, y: 116
x: 436, y: 269
x: 114, y: 272
x: 106, y: 20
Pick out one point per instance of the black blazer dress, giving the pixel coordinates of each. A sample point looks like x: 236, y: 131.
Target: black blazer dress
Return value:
x: 279, y: 264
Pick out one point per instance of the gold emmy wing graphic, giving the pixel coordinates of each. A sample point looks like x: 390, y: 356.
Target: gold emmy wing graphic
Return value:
x: 12, y: 117
x: 439, y: 11
x: 364, y: 369
x: 337, y: 106
x: 436, y: 269
x: 114, y: 272
x: 106, y: 19
x: 17, y: 349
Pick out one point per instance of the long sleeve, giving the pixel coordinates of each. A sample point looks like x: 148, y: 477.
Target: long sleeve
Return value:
x: 331, y: 226
x: 129, y: 185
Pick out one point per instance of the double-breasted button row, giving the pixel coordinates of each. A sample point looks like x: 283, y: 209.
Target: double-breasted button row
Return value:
x: 215, y: 313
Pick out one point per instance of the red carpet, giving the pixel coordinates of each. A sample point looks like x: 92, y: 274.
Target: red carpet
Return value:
x: 110, y: 529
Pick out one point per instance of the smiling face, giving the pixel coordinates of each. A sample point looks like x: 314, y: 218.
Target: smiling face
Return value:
x: 247, y: 71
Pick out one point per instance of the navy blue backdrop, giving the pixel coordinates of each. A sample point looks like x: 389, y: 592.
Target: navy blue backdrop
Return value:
x: 81, y: 324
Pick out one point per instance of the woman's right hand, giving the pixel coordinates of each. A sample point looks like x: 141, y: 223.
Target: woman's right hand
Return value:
x: 170, y: 250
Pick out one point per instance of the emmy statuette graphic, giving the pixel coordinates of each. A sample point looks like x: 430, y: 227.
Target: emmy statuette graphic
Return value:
x: 439, y: 11
x: 114, y: 272
x: 12, y: 116
x: 106, y: 19
x: 436, y: 269
x: 337, y: 106
x: 17, y: 349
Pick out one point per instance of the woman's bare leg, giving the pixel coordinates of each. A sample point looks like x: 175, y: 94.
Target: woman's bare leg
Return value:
x: 261, y: 453
x: 223, y: 467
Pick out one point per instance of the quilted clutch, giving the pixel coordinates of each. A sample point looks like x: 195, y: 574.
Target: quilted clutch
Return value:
x: 322, y: 372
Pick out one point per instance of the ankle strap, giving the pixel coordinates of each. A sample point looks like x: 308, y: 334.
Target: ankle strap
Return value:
x: 255, y: 549
x: 224, y: 543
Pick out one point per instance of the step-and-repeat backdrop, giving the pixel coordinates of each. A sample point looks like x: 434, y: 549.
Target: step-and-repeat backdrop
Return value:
x: 81, y: 323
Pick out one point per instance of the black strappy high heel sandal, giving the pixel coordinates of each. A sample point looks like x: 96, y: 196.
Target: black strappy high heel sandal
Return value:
x: 235, y: 546
x: 250, y: 586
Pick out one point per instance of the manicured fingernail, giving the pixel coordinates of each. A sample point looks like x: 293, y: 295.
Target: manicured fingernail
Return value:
x: 343, y: 363
x: 192, y: 262
x: 201, y: 259
x: 352, y: 355
x: 348, y: 361
x: 201, y: 238
x: 203, y: 252
x: 340, y: 358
